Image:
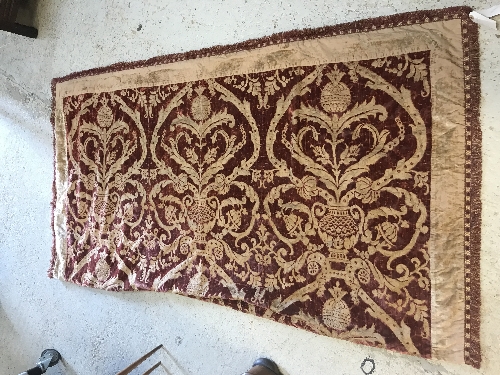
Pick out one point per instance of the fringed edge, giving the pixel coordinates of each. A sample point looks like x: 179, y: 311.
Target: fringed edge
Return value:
x: 50, y: 271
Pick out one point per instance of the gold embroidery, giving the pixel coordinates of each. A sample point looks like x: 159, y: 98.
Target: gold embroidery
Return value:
x: 335, y: 176
x: 196, y: 201
x: 336, y: 314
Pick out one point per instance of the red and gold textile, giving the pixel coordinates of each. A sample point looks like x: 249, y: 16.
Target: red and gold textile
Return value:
x: 328, y: 179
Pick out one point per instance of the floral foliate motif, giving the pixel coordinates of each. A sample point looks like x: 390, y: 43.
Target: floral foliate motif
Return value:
x: 335, y: 96
x: 201, y: 107
x: 104, y: 117
x: 349, y: 161
x: 302, y: 191
x: 336, y: 313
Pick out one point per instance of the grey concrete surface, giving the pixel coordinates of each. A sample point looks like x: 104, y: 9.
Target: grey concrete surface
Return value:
x: 98, y: 332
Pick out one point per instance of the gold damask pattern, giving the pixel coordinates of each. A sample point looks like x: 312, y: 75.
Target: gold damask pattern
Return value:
x: 328, y: 179
x: 302, y: 193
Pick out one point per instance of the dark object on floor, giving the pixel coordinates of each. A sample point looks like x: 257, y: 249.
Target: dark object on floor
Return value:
x: 264, y: 366
x: 48, y: 358
x: 8, y: 14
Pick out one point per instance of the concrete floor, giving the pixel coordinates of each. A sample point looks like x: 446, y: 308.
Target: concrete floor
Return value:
x: 98, y: 332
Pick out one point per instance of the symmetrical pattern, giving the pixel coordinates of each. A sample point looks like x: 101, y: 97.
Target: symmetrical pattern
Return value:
x: 323, y: 212
x: 302, y: 194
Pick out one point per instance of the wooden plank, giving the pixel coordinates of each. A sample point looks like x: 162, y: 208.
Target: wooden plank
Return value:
x: 129, y: 369
x: 152, y: 369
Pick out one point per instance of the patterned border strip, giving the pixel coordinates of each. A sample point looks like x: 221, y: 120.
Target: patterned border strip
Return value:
x: 473, y: 170
x: 473, y: 165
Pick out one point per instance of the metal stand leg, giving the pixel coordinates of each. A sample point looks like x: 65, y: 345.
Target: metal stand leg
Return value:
x: 48, y: 358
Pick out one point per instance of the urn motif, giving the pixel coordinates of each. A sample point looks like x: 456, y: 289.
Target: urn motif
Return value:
x: 339, y: 228
x: 201, y: 217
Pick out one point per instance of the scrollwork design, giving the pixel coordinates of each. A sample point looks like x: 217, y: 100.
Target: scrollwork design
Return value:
x: 321, y: 209
x: 336, y: 172
x: 196, y: 201
x: 105, y: 195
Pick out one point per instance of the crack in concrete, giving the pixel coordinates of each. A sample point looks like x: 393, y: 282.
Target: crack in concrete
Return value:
x: 26, y: 92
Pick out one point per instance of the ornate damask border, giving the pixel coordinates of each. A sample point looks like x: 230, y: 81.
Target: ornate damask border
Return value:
x: 473, y: 166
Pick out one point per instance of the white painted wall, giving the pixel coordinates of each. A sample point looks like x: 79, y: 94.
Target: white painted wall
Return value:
x: 100, y: 332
